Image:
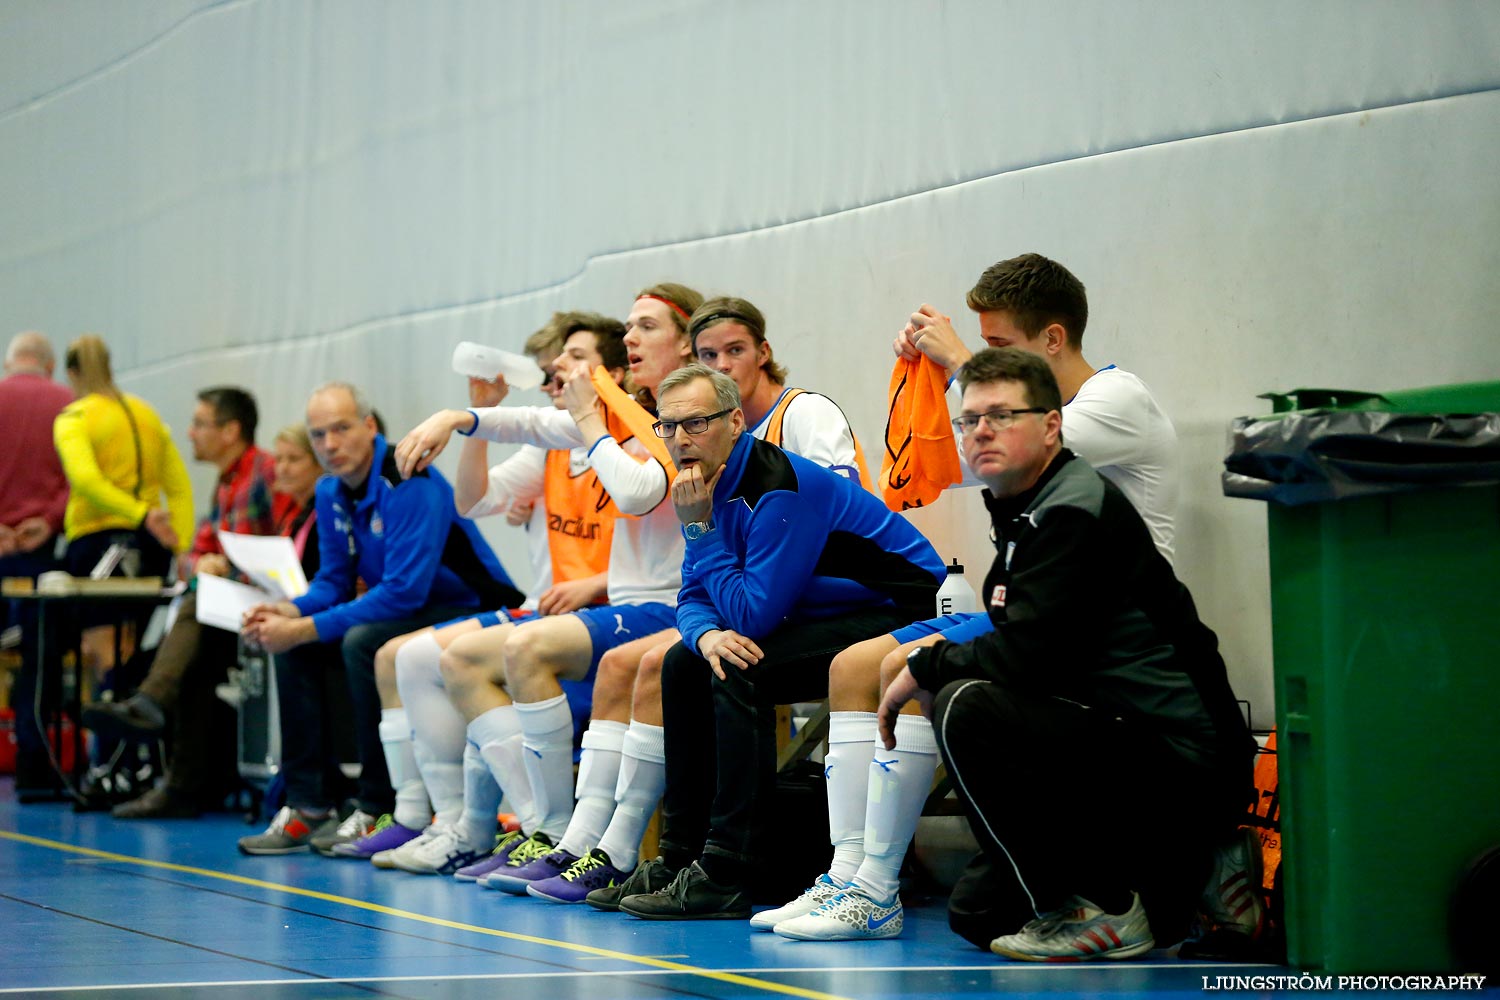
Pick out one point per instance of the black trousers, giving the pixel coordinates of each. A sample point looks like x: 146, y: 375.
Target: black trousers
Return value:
x: 720, y: 736
x: 305, y: 694
x: 1065, y: 799
x: 317, y: 723
x: 32, y: 769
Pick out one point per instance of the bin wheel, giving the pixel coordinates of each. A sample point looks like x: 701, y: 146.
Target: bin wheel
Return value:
x: 1473, y: 919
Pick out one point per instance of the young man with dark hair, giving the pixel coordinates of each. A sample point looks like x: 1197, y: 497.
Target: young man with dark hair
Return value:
x: 192, y: 658
x: 786, y: 563
x: 1098, y: 663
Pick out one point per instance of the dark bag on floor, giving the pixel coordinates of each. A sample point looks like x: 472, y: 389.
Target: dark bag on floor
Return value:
x: 793, y: 843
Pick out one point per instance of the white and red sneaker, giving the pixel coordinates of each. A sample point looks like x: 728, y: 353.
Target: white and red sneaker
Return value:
x: 1080, y: 932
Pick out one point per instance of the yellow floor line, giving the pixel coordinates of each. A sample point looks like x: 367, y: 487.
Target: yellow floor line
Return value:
x: 360, y: 904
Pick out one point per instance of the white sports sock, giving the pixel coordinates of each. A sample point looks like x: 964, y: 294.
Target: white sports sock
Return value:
x: 846, y: 768
x: 497, y: 733
x: 547, y: 728
x: 411, y: 795
x: 481, y: 801
x: 598, y: 773
x: 643, y: 777
x: 899, y: 783
x: 437, y: 727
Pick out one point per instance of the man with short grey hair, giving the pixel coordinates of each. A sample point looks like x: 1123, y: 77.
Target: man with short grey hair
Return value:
x: 33, y: 495
x: 786, y: 563
x: 394, y: 557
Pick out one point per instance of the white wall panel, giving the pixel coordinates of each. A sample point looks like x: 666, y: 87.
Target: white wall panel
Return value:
x: 278, y: 192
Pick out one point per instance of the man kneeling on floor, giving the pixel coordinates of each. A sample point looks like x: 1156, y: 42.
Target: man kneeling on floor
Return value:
x: 786, y: 564
x: 1092, y: 736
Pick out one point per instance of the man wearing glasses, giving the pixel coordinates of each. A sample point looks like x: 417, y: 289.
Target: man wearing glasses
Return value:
x: 875, y: 797
x: 786, y: 564
x: 1092, y: 733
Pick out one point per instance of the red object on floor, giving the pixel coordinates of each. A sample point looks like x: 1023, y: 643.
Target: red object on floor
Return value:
x: 8, y: 747
x: 7, y: 741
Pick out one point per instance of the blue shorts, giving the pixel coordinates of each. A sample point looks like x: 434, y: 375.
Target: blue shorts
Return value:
x: 612, y: 625
x: 489, y: 619
x: 960, y: 627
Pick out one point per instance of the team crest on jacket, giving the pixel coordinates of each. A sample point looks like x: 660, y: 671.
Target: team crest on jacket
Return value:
x: 377, y: 524
x: 997, y: 596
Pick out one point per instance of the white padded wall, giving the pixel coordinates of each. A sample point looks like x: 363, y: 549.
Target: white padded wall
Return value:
x: 278, y: 192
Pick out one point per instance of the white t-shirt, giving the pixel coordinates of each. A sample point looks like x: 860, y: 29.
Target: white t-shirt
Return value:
x: 1115, y: 424
x: 814, y: 427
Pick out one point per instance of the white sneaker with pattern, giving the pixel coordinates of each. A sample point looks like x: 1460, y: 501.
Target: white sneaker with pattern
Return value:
x: 1080, y: 932
x: 389, y: 859
x: 442, y: 853
x: 848, y: 916
x: 820, y: 892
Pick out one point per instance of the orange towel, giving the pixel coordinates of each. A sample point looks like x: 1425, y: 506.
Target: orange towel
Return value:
x: 626, y: 419
x: 921, y: 459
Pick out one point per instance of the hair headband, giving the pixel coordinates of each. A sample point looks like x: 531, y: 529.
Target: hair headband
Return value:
x: 667, y: 302
x: 704, y: 322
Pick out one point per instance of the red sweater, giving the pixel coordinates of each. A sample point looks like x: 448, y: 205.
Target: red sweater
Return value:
x: 31, y: 476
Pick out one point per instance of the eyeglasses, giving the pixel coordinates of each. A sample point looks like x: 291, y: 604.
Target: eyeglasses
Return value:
x: 998, y: 420
x: 693, y: 425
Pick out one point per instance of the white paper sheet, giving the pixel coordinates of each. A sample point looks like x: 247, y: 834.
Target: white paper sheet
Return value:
x: 222, y: 603
x: 270, y: 561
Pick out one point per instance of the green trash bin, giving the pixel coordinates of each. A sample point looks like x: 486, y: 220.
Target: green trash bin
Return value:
x: 1384, y: 531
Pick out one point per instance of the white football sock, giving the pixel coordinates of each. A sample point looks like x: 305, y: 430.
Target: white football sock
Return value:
x: 598, y: 773
x: 411, y: 794
x: 643, y: 778
x: 846, y: 768
x: 547, y: 728
x: 900, y: 781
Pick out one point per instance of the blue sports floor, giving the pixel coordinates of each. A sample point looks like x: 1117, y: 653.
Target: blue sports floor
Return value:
x: 91, y: 907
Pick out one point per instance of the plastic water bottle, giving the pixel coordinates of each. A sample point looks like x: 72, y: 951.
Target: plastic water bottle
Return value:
x: 955, y: 596
x: 479, y: 361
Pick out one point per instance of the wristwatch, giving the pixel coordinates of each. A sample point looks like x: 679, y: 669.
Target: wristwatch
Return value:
x: 695, y: 530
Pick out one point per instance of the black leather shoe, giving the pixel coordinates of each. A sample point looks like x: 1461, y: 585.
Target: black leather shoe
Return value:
x: 648, y: 877
x: 137, y: 715
x: 690, y: 896
x: 158, y: 803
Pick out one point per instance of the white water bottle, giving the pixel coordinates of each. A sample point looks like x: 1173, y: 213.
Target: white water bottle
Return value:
x: 479, y: 361
x: 955, y: 596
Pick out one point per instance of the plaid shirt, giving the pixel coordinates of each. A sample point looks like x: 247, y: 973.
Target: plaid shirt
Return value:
x: 243, y: 503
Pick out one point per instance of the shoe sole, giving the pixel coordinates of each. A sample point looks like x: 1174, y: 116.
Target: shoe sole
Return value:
x: 727, y: 915
x: 268, y: 851
x: 514, y: 886
x: 781, y: 930
x: 1115, y: 953
x: 532, y: 890
x: 109, y: 726
x: 602, y: 906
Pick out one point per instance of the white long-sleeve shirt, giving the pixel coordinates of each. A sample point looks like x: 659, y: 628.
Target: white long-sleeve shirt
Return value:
x: 645, y: 558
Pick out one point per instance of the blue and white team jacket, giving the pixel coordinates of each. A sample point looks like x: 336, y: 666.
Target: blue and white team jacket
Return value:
x: 794, y: 542
x: 405, y: 540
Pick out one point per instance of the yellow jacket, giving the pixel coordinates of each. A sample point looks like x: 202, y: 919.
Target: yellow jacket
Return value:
x: 117, y: 474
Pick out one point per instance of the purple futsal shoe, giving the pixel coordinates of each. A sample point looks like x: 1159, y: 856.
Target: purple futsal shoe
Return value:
x: 515, y: 880
x: 387, y: 836
x: 495, y: 859
x: 592, y: 871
